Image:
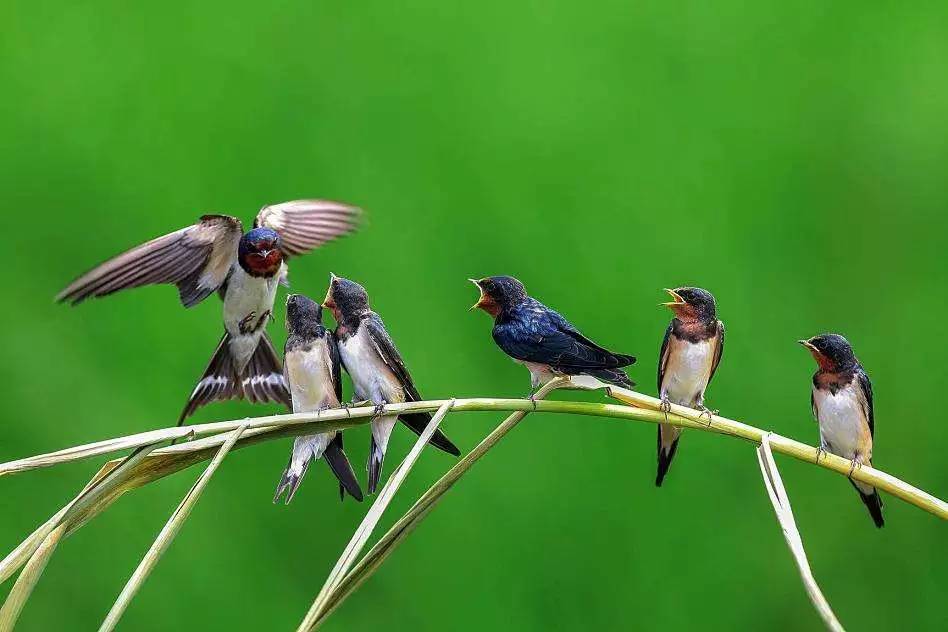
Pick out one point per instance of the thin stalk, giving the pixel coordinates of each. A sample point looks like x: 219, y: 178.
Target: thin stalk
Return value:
x: 407, y: 523
x: 781, y: 502
x: 372, y: 517
x: 27, y: 580
x: 643, y: 408
x: 166, y: 536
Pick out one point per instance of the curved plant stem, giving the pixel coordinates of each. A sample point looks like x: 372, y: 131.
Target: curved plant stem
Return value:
x: 166, y: 536
x: 372, y: 517
x: 781, y: 503
x: 407, y: 523
x: 25, y: 583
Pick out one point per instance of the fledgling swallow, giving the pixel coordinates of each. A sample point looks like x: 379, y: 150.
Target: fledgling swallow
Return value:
x: 691, y: 352
x: 244, y: 268
x: 378, y: 372
x: 842, y: 404
x: 541, y: 339
x: 312, y: 370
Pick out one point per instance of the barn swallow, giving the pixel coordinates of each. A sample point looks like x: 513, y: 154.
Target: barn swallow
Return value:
x: 244, y: 268
x: 378, y: 372
x: 311, y: 367
x: 691, y: 352
x: 842, y: 404
x: 541, y: 339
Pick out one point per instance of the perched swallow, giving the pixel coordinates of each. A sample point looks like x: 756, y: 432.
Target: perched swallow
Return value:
x: 378, y: 372
x: 311, y: 367
x: 541, y: 339
x: 216, y: 255
x: 842, y: 404
x: 691, y: 352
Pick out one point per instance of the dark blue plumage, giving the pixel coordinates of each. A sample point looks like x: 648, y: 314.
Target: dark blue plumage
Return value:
x: 529, y: 331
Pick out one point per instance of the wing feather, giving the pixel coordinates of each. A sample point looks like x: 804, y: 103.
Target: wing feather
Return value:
x: 663, y: 356
x: 304, y: 225
x: 718, y: 351
x: 535, y: 333
x: 197, y: 259
x: 389, y: 353
x: 865, y: 387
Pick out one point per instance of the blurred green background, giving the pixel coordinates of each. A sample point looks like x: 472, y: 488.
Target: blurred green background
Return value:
x: 790, y: 157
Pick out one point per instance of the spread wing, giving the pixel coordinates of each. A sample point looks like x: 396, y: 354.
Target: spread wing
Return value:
x: 307, y: 224
x: 865, y: 388
x: 663, y: 357
x: 197, y: 259
x: 718, y: 351
x: 336, y: 366
x: 389, y: 353
x: 538, y: 334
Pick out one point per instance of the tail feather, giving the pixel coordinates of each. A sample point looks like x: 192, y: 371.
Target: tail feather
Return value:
x: 873, y: 503
x: 263, y: 380
x: 290, y: 481
x: 666, y: 452
x: 418, y: 421
x: 374, y: 466
x: 340, y: 466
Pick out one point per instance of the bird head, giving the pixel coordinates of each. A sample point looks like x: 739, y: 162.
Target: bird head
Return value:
x: 304, y: 316
x: 831, y: 351
x: 498, y: 293
x: 259, y: 252
x: 345, y: 298
x: 692, y: 303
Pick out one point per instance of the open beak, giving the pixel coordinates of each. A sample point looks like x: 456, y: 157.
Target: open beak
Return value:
x: 677, y: 300
x: 483, y: 297
x: 807, y: 344
x: 328, y: 302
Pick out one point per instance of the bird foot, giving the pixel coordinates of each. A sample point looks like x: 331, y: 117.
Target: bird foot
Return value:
x: 264, y: 319
x: 244, y: 325
x: 853, y: 466
x: 820, y: 454
x: 705, y: 411
x: 379, y: 409
x: 665, y: 407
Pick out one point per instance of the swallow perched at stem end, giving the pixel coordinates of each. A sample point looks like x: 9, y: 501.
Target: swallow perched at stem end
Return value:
x: 313, y: 373
x: 215, y: 255
x: 842, y: 405
x: 691, y: 352
x: 541, y: 339
x: 378, y: 372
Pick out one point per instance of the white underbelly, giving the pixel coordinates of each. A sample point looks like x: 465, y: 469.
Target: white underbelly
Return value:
x: 840, y: 416
x: 310, y: 377
x: 247, y: 295
x: 687, y: 372
x: 371, y: 378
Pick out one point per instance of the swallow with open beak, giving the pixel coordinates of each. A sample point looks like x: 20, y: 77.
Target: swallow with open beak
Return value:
x: 842, y: 404
x: 312, y: 370
x: 378, y: 372
x: 215, y: 255
x: 691, y: 352
x: 541, y: 339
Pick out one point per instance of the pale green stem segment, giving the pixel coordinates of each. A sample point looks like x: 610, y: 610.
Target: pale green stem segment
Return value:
x: 166, y: 536
x: 407, y: 523
x: 372, y: 517
x: 781, y: 502
x: 27, y: 580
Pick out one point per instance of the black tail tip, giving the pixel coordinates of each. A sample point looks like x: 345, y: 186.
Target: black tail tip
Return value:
x: 874, y: 505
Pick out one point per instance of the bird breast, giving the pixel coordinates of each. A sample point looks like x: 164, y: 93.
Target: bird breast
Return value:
x: 372, y: 379
x: 844, y: 429
x: 688, y: 370
x: 309, y: 372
